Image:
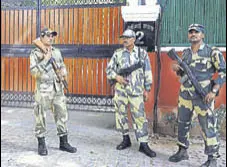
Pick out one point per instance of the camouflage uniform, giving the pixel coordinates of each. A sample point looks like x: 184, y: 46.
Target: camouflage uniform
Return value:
x: 203, y: 64
x: 132, y: 93
x: 48, y: 92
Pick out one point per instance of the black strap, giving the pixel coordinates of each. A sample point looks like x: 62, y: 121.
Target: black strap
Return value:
x: 139, y: 53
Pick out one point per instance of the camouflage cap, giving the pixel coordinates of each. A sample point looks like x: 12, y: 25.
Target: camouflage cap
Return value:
x: 196, y: 27
x: 128, y: 34
x: 46, y: 31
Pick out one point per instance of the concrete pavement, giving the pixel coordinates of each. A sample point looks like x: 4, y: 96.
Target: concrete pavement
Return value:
x: 94, y: 136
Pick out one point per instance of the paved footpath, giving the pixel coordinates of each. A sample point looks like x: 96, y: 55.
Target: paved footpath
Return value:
x: 95, y: 138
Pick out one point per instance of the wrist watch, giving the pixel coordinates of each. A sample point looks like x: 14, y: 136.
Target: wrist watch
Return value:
x: 215, y: 91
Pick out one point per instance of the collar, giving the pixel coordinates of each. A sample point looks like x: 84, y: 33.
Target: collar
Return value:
x: 201, y: 47
x: 133, y: 50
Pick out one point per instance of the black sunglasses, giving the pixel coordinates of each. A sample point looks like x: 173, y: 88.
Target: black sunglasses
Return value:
x: 191, y: 32
x: 49, y: 35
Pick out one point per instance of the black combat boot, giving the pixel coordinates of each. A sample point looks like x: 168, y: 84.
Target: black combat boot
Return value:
x: 180, y: 155
x: 211, y: 162
x: 65, y: 146
x: 42, y: 150
x: 144, y: 148
x: 125, y: 143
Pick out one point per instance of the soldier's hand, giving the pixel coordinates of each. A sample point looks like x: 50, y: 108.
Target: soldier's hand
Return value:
x: 40, y: 55
x: 47, y: 56
x: 176, y: 67
x: 146, y: 96
x: 63, y: 72
x: 59, y: 74
x: 210, y: 97
x: 121, y: 80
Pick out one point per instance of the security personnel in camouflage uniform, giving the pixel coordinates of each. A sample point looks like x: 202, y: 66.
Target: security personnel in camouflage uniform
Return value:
x: 132, y: 89
x: 49, y: 92
x: 203, y: 61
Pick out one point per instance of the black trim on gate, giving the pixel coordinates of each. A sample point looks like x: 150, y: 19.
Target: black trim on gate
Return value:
x: 26, y: 99
x: 88, y: 51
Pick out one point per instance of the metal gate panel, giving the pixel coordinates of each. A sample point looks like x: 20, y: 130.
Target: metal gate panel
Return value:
x: 87, y: 39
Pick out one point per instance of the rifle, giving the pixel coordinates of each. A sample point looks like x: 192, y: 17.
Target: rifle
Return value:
x: 198, y: 88
x: 127, y: 71
x: 51, y: 61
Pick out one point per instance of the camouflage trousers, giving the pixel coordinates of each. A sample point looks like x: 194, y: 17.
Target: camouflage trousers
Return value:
x: 56, y: 101
x: 207, y: 122
x: 136, y: 104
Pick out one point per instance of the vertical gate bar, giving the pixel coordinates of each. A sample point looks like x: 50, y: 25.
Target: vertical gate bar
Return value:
x: 28, y: 31
x: 49, y: 11
x: 63, y: 27
x: 5, y: 28
x: 78, y: 27
x: 9, y: 27
x: 77, y: 81
x: 82, y: 75
x: 86, y: 92
x: 18, y: 79
x: 4, y: 65
x: 73, y: 42
x: 107, y: 85
x: 92, y: 76
x: 14, y: 27
x: 38, y: 18
x: 22, y: 69
x: 69, y: 30
x: 93, y: 16
x: 22, y: 27
x: 102, y: 77
x: 59, y: 26
x: 9, y: 72
x: 54, y: 24
x: 31, y: 32
x: 97, y: 69
x: 27, y: 74
x: 13, y: 73
x: 18, y: 25
x: 83, y: 26
x: 45, y: 17
x: 31, y: 40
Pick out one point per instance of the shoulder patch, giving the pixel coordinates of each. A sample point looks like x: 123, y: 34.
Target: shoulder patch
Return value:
x: 36, y: 49
x: 119, y: 50
x: 215, y: 48
x: 186, y: 51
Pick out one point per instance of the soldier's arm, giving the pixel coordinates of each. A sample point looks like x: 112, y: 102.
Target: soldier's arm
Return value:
x: 147, y: 72
x: 220, y: 65
x: 112, y: 67
x: 37, y: 66
x: 62, y: 65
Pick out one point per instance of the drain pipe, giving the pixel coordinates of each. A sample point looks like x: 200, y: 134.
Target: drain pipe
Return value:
x: 158, y: 53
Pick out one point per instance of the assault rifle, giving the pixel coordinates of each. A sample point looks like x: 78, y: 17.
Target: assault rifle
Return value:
x: 198, y: 88
x: 129, y: 70
x: 126, y: 72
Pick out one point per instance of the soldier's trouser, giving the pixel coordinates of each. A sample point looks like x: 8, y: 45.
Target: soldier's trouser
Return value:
x: 57, y: 102
x: 207, y: 122
x: 136, y: 104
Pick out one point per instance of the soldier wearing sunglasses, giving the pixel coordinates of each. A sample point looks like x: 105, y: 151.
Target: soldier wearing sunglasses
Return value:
x: 49, y: 92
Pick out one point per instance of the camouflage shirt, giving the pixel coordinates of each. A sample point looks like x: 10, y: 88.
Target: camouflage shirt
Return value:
x: 139, y: 79
x: 203, y: 64
x: 46, y: 78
